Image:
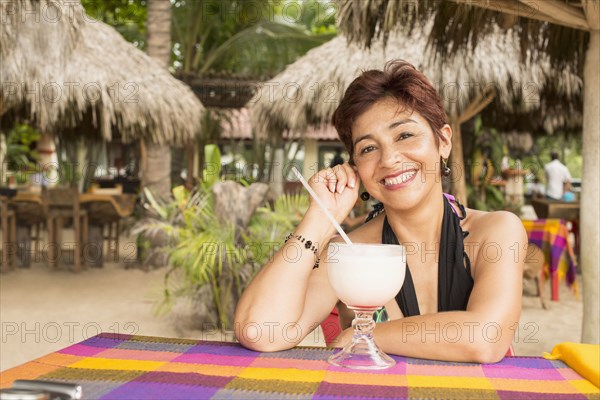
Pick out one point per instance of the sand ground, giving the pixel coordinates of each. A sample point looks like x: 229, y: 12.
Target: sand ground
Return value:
x: 42, y: 311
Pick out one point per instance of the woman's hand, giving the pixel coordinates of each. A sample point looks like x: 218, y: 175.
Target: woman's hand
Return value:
x: 343, y: 338
x: 337, y: 189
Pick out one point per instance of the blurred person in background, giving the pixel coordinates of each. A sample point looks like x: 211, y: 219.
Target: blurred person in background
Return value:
x: 558, y: 179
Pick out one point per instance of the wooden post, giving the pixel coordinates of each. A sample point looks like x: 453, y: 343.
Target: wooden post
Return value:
x: 190, y: 153
x: 458, y: 182
x: 22, y: 245
x: 5, y: 235
x: 590, y: 196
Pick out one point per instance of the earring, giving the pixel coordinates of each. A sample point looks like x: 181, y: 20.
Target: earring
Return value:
x: 364, y: 196
x: 446, y: 171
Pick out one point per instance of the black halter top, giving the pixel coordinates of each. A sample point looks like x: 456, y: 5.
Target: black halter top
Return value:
x: 454, y: 267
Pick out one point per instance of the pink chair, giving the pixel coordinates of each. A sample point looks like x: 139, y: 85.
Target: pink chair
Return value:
x: 331, y: 327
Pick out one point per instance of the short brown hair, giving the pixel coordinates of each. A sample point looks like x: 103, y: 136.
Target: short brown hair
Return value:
x: 399, y: 80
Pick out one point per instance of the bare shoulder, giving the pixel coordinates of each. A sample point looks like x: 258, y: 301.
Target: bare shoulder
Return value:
x: 495, y: 225
x: 369, y: 232
x: 495, y: 238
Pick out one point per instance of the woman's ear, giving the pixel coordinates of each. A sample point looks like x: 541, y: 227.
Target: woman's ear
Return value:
x: 445, y: 141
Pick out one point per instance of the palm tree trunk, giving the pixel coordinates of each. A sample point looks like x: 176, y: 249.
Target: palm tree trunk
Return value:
x: 278, y: 168
x: 156, y: 174
x: 156, y: 157
x: 275, y: 179
x: 191, y: 166
x: 589, y: 212
x: 178, y: 163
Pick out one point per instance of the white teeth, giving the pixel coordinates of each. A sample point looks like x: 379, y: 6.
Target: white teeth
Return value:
x: 399, y: 179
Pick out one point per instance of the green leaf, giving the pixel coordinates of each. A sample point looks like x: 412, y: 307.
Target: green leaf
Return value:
x: 181, y: 195
x: 155, y: 204
x: 212, y: 169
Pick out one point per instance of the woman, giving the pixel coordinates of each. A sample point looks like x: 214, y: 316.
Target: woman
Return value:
x: 461, y: 299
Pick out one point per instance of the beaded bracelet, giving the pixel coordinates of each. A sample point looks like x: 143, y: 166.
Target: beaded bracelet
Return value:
x: 308, y: 245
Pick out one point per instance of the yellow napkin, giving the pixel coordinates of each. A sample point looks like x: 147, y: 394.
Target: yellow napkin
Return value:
x: 583, y: 358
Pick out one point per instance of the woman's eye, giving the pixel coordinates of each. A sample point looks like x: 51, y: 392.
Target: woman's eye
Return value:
x: 404, y: 135
x: 367, y: 149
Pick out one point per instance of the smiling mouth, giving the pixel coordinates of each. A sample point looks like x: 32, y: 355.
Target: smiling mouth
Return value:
x: 399, y: 179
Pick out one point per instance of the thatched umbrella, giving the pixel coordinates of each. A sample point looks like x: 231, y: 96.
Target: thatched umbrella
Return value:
x: 308, y: 91
x: 60, y: 68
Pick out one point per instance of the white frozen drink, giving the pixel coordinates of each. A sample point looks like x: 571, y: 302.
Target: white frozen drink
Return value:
x: 366, y: 275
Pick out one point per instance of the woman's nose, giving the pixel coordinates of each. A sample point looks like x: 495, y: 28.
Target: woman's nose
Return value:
x: 390, y: 156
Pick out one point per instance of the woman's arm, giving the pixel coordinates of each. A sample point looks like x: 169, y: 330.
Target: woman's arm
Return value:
x: 484, y: 332
x: 288, y: 298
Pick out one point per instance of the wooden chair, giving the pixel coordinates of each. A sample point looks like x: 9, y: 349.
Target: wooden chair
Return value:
x: 534, y: 269
x: 9, y: 235
x: 111, y: 238
x: 61, y: 204
x: 31, y: 219
x: 105, y: 213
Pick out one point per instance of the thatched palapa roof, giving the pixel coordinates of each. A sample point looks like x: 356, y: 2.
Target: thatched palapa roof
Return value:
x: 308, y: 91
x: 60, y: 67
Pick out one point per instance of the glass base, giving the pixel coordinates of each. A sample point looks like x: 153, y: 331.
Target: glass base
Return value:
x: 362, y: 355
x: 362, y: 352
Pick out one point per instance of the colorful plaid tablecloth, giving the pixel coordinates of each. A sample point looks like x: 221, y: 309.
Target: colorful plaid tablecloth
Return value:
x: 111, y: 366
x: 552, y: 236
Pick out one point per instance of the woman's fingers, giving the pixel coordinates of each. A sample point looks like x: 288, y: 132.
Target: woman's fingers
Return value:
x: 324, y: 177
x: 330, y: 179
x: 339, y: 177
x: 330, y: 186
x: 335, y: 180
x: 351, y: 174
x: 347, y: 177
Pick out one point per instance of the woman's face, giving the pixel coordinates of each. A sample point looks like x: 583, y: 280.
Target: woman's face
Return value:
x: 396, y: 154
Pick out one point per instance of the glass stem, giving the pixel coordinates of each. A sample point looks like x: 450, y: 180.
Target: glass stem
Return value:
x: 363, y: 324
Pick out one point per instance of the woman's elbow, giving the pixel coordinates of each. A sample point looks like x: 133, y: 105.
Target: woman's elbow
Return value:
x: 251, y: 336
x: 262, y: 346
x: 488, y: 353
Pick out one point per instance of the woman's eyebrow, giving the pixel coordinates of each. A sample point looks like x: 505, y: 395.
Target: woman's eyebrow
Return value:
x: 393, y: 125
x: 363, y: 137
x: 401, y: 122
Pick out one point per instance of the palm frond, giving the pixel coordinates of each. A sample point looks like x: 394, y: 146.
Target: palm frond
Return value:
x: 250, y: 51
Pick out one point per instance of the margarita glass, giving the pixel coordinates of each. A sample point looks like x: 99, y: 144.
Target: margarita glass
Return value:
x: 365, y: 277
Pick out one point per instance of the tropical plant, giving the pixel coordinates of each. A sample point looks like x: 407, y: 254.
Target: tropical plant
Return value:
x: 128, y: 17
x: 270, y: 222
x: 206, y: 258
x: 19, y: 153
x: 204, y: 253
x: 484, y: 160
x: 254, y: 40
x: 486, y: 197
x: 262, y: 50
